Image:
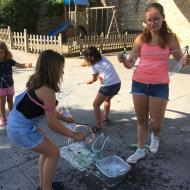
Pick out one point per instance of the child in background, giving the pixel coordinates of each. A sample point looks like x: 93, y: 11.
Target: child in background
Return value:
x: 103, y: 70
x: 6, y: 79
x: 30, y: 106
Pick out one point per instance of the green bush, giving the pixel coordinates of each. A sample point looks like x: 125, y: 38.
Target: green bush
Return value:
x: 20, y: 14
x: 54, y: 7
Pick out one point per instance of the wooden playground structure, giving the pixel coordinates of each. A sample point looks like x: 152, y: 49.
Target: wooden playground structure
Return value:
x: 93, y: 26
x: 88, y: 20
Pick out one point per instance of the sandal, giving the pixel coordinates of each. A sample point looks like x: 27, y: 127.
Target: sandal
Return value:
x: 97, y: 130
x: 57, y: 185
x: 106, y: 122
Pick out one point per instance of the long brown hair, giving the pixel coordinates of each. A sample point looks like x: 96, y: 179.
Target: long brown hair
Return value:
x: 48, y: 71
x: 8, y: 54
x: 165, y: 32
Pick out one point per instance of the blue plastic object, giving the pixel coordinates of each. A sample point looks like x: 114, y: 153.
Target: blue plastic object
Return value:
x: 77, y: 2
x: 63, y: 26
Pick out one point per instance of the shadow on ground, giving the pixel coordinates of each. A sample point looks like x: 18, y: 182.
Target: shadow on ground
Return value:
x: 168, y: 169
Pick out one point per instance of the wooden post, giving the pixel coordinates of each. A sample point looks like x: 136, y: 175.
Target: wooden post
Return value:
x: 81, y: 46
x: 102, y: 42
x: 87, y: 20
x: 10, y: 37
x: 25, y: 41
x: 125, y: 41
x: 76, y: 23
x: 116, y: 23
x: 60, y: 42
x: 110, y: 26
x: 104, y: 3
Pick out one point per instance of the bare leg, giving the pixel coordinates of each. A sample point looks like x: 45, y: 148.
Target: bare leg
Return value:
x: 97, y: 112
x: 47, y: 162
x: 42, y: 159
x: 107, y: 105
x: 2, y: 106
x: 141, y: 110
x: 10, y: 102
x: 157, y: 109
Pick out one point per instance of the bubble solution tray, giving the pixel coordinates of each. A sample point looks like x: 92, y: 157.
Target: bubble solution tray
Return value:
x: 113, y: 169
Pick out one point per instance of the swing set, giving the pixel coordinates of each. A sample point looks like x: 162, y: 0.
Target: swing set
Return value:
x: 103, y: 19
x: 88, y: 20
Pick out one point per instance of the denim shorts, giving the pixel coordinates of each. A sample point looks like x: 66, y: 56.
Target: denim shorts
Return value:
x: 28, y: 140
x: 153, y: 90
x: 22, y: 131
x: 111, y: 90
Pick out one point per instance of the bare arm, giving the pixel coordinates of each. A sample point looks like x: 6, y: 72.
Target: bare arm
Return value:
x: 93, y: 79
x: 23, y: 65
x: 48, y: 97
x: 134, y: 54
x: 177, y: 53
x: 62, y: 117
x: 175, y: 48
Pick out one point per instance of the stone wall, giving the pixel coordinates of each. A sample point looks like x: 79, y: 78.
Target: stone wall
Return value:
x: 131, y: 14
x: 46, y: 24
x: 178, y: 18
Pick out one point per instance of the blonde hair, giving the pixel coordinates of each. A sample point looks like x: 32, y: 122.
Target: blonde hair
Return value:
x: 48, y: 71
x: 8, y: 54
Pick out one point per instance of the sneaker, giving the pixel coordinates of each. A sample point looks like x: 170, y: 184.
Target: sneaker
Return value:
x: 154, y: 144
x: 138, y: 155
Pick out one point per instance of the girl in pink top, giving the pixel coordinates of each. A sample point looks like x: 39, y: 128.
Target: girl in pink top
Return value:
x: 150, y: 87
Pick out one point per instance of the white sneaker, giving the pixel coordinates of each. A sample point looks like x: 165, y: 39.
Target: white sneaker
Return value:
x: 138, y: 155
x: 154, y: 144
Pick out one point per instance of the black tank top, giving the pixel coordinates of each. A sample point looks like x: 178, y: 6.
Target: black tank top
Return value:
x: 28, y: 108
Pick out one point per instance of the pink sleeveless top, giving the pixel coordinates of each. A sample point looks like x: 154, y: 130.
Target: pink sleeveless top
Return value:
x: 153, y: 65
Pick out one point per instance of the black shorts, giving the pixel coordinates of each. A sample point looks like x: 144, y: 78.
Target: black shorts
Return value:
x: 111, y: 90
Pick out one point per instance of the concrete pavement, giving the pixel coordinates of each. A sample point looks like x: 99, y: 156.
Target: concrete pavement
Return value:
x: 169, y: 169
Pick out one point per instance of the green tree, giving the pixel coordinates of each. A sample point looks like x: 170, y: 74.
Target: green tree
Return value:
x: 19, y: 14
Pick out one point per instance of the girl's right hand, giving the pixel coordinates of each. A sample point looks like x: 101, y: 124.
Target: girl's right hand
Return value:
x: 122, y: 57
x: 70, y: 119
x: 78, y: 136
